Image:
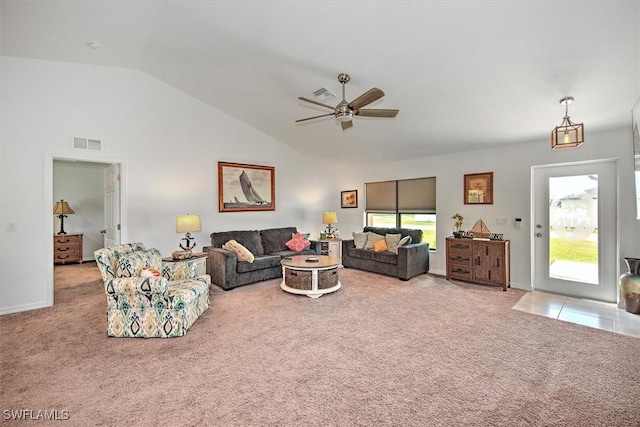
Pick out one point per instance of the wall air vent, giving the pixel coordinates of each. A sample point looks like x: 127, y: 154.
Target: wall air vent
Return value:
x: 323, y: 94
x: 86, y: 144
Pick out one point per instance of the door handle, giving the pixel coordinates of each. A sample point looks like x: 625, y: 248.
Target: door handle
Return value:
x: 538, y: 235
x: 103, y: 231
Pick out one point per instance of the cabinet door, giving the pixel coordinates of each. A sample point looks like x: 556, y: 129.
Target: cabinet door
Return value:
x: 489, y: 263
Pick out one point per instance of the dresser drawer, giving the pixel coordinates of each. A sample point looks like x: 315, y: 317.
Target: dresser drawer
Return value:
x: 459, y: 258
x: 67, y: 248
x: 459, y: 272
x: 68, y: 256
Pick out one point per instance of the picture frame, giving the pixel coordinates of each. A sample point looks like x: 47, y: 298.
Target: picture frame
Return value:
x: 349, y: 199
x: 243, y: 187
x: 478, y: 188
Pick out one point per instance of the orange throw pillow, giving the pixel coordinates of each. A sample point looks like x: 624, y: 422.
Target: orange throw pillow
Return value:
x: 380, y: 246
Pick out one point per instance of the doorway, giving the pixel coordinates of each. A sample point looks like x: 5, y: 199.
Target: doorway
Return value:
x: 116, y: 206
x: 575, y: 217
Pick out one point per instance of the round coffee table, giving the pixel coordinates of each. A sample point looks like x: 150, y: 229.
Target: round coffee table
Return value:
x: 310, y: 275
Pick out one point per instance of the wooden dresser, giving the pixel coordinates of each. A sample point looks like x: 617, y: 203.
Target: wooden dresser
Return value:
x: 479, y: 261
x: 67, y: 248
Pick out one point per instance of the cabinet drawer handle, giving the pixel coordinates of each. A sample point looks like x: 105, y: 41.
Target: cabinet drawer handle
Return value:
x: 63, y: 257
x: 63, y: 249
x: 63, y: 241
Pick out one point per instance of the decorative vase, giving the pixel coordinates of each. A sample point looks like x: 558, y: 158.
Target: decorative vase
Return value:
x: 630, y: 285
x: 457, y: 234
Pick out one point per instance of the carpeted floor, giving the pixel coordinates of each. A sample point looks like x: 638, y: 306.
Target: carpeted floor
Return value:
x: 379, y: 351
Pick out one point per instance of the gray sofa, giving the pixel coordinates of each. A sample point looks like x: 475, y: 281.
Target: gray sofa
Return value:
x: 267, y: 246
x: 411, y: 260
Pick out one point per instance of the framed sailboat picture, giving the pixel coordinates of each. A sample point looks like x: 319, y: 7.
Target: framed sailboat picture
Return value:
x: 246, y: 187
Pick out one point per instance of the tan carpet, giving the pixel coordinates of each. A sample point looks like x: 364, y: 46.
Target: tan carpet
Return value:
x: 377, y: 352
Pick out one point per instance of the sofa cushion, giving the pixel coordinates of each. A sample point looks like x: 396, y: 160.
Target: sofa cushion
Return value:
x: 298, y: 243
x: 360, y: 239
x: 372, y: 238
x: 243, y: 253
x: 392, y: 241
x: 385, y: 257
x: 259, y: 263
x: 275, y: 239
x: 250, y: 239
x: 416, y: 235
x: 131, y: 265
x: 179, y: 270
x: 360, y: 253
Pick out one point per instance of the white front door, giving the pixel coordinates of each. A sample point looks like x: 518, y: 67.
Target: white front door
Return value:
x: 112, y: 205
x: 575, y: 210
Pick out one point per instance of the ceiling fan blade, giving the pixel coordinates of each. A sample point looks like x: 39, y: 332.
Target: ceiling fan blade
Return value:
x: 366, y: 98
x: 347, y: 125
x: 314, y: 117
x: 372, y: 112
x: 302, y: 98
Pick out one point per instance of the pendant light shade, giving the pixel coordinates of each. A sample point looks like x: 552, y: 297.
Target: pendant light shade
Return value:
x: 568, y: 134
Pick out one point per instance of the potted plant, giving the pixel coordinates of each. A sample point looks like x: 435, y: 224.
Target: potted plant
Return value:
x: 457, y: 224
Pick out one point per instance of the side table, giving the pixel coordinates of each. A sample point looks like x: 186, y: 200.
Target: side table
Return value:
x: 198, y: 258
x: 329, y: 247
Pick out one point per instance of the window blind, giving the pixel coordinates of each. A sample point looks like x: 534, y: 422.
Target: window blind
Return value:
x: 417, y: 195
x: 381, y: 196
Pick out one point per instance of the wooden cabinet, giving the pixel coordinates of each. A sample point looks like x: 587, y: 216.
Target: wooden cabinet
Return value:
x: 479, y: 261
x: 67, y: 248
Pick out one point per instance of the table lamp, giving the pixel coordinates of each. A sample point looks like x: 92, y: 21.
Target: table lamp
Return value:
x: 186, y: 224
x: 329, y: 218
x: 62, y: 209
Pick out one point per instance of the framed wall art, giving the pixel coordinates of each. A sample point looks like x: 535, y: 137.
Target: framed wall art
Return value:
x: 246, y: 187
x: 349, y: 199
x: 478, y: 188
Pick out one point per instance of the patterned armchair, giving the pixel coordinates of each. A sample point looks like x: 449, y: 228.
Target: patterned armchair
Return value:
x: 150, y: 307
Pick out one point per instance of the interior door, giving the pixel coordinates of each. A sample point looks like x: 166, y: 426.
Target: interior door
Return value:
x: 112, y: 205
x: 575, y: 229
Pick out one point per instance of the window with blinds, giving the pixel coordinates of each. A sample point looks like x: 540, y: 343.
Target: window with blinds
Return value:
x: 406, y: 203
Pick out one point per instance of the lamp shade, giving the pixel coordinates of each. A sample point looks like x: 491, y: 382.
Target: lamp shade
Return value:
x: 62, y: 208
x: 188, y: 223
x: 329, y: 218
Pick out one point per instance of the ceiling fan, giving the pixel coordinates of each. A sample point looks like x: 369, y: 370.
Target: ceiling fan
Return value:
x: 345, y: 111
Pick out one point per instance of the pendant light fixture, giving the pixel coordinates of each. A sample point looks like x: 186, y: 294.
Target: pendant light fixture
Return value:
x: 568, y: 134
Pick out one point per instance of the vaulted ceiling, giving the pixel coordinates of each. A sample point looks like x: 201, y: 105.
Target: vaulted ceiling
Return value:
x: 464, y: 74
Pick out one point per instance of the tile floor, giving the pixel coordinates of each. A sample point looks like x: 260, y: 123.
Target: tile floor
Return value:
x: 595, y: 314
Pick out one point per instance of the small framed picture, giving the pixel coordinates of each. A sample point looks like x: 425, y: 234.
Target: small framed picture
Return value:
x: 478, y: 188
x: 349, y: 199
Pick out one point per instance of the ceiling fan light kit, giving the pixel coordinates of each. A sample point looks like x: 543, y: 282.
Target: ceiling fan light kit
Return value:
x: 568, y: 134
x: 344, y: 111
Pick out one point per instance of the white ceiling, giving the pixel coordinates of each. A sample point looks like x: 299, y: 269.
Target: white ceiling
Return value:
x: 464, y: 74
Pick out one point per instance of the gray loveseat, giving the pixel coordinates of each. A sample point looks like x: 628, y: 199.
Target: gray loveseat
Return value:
x: 412, y: 259
x: 267, y: 246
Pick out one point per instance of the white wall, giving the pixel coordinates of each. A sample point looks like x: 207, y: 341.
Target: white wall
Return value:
x: 169, y: 144
x: 81, y: 184
x: 512, y: 191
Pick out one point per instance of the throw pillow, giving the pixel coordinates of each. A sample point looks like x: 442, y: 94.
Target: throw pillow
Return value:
x: 149, y: 272
x: 380, y: 245
x: 360, y: 239
x: 406, y: 240
x: 371, y: 239
x: 131, y: 265
x: 243, y: 253
x: 298, y: 243
x: 392, y: 241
